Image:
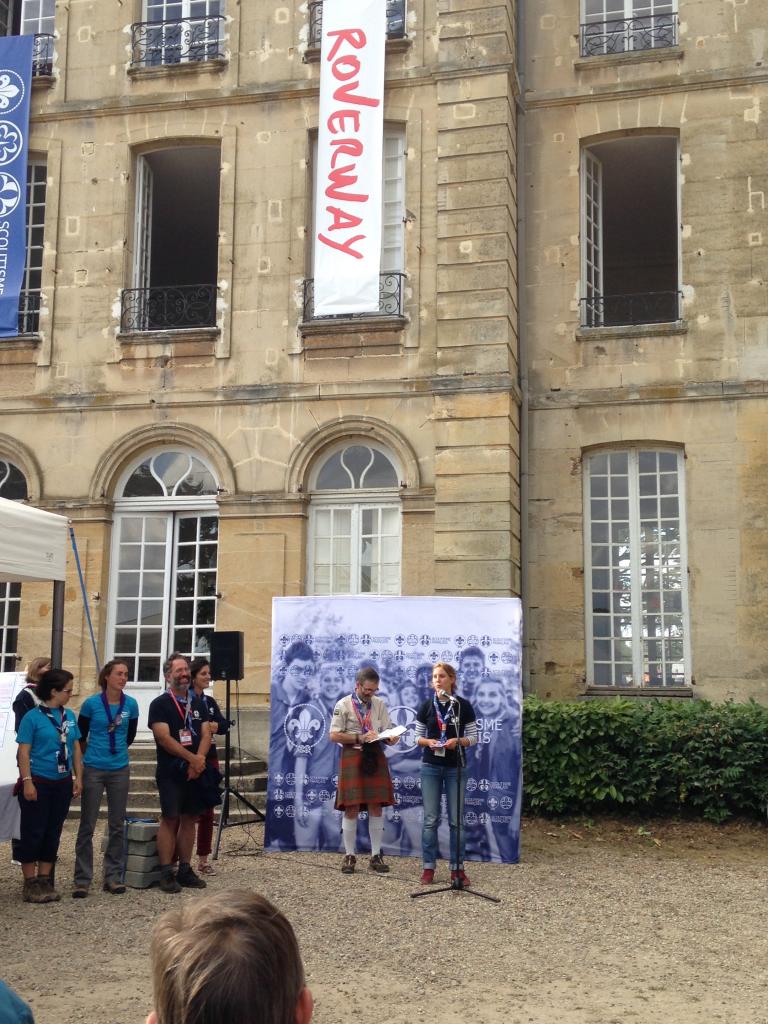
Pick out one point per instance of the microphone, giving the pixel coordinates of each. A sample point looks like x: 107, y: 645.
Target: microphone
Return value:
x: 445, y: 696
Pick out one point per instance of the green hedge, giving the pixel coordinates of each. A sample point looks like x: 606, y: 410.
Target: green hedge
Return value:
x: 650, y: 757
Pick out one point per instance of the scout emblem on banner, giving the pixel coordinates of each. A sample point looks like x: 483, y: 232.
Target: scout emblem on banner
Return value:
x: 318, y: 645
x: 15, y: 81
x: 348, y: 180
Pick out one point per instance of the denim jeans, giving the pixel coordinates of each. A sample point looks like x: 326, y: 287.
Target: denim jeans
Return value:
x: 95, y: 781
x: 435, y: 779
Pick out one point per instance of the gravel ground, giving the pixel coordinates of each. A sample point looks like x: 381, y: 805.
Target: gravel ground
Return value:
x: 601, y: 923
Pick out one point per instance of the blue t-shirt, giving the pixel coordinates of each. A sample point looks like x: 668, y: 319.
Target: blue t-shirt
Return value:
x: 45, y: 741
x: 98, y: 752
x: 12, y: 1009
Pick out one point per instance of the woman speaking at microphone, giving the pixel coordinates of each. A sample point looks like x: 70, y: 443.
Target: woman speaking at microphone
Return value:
x: 444, y: 723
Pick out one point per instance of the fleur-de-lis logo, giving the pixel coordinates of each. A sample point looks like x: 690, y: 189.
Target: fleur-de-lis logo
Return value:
x: 10, y: 194
x: 11, y: 90
x: 304, y: 726
x: 11, y: 141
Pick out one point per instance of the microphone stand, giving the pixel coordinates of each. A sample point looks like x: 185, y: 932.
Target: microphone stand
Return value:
x: 457, y: 885
x: 229, y: 789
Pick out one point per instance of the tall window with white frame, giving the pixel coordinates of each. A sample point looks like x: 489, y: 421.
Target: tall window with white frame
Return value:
x: 392, y: 273
x: 622, y: 26
x: 32, y: 18
x: 355, y: 522
x: 13, y: 486
x: 178, y: 32
x: 29, y: 299
x: 630, y: 231
x: 164, y: 562
x: 636, y: 569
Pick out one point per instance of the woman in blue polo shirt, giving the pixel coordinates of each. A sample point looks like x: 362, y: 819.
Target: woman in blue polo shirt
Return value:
x: 50, y: 764
x: 108, y: 723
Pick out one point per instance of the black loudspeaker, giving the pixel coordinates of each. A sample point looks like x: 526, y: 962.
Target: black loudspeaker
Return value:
x: 227, y: 655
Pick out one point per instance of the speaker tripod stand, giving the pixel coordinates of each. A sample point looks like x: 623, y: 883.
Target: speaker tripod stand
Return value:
x: 229, y: 790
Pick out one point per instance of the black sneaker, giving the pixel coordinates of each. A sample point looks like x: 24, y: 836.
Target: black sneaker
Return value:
x: 348, y: 865
x: 189, y: 880
x: 168, y: 883
x: 376, y: 863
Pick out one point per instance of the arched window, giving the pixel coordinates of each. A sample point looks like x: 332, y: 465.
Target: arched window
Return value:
x: 355, y: 522
x: 636, y: 568
x: 13, y: 485
x: 164, y: 560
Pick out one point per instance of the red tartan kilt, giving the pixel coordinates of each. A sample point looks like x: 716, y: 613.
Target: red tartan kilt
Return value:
x: 358, y: 790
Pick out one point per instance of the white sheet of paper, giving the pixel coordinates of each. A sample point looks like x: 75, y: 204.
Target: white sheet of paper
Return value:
x: 388, y: 734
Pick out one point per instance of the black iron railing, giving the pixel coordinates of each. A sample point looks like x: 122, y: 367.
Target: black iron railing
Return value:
x: 168, y: 308
x: 395, y: 21
x: 42, y: 55
x: 182, y: 41
x: 390, y: 299
x: 623, y: 35
x: 29, y: 312
x: 626, y: 310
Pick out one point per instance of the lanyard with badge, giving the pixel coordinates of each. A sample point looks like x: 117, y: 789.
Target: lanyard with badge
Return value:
x: 113, y: 723
x: 364, y: 720
x: 443, y: 721
x: 62, y: 754
x: 185, y: 733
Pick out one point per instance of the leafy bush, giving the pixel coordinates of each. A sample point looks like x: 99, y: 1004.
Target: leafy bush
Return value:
x: 648, y: 757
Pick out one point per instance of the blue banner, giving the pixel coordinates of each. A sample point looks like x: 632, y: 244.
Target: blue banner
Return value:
x: 318, y: 644
x: 15, y: 88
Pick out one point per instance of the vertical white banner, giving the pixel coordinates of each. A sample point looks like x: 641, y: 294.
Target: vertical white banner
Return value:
x: 348, y: 175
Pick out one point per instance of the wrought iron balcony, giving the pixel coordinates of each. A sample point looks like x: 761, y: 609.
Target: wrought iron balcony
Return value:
x: 29, y: 312
x: 625, y: 35
x: 628, y: 310
x: 181, y: 41
x: 390, y: 300
x: 42, y: 55
x: 168, y: 308
x: 395, y: 21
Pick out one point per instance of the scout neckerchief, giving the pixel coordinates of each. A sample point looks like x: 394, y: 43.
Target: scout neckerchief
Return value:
x: 443, y: 720
x: 62, y: 755
x: 364, y: 720
x: 113, y: 723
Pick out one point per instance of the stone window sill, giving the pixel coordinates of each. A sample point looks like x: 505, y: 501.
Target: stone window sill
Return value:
x: 632, y: 331
x: 613, y: 60
x: 22, y: 341
x: 638, y: 691
x: 312, y: 53
x: 169, y: 337
x: 190, y: 67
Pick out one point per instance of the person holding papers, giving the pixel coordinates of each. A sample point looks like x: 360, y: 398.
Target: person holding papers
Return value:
x: 107, y: 723
x: 444, y: 724
x: 364, y: 779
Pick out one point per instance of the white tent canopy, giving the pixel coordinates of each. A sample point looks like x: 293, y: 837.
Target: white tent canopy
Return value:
x: 33, y: 544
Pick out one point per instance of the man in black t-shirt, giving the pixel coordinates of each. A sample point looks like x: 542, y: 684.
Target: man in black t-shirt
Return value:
x: 179, y: 724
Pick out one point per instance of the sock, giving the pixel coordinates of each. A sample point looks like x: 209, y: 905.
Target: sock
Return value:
x: 348, y: 833
x: 375, y: 831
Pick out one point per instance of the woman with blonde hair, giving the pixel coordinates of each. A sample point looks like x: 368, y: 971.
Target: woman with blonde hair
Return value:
x: 444, y: 724
x: 27, y: 698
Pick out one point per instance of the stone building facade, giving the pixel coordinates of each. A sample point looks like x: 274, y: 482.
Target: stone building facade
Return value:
x: 645, y: 347
x: 578, y: 417
x: 170, y: 391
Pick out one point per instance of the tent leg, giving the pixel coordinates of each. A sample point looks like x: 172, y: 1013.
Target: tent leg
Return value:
x: 57, y: 630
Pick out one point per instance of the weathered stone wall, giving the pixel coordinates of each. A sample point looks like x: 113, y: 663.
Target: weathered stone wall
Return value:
x: 701, y: 384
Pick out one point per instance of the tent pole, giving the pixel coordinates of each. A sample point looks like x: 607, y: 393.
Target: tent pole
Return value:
x: 57, y: 629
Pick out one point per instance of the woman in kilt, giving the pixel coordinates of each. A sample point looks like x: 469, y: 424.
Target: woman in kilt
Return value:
x: 364, y: 779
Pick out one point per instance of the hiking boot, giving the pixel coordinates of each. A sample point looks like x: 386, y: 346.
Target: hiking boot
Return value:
x: 348, y: 865
x: 168, y: 882
x: 427, y: 876
x: 45, y: 882
x: 376, y: 863
x: 32, y: 893
x: 459, y: 875
x: 80, y: 892
x: 187, y: 878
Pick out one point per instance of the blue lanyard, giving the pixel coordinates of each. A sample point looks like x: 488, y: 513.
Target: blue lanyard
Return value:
x: 62, y: 755
x: 113, y: 724
x: 443, y: 720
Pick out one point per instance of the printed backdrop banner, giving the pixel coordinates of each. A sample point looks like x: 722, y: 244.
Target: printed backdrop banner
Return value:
x: 319, y: 643
x: 348, y: 175
x: 15, y: 85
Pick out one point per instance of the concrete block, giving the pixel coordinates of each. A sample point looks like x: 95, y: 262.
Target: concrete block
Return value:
x: 142, y: 865
x: 143, y: 831
x: 142, y: 879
